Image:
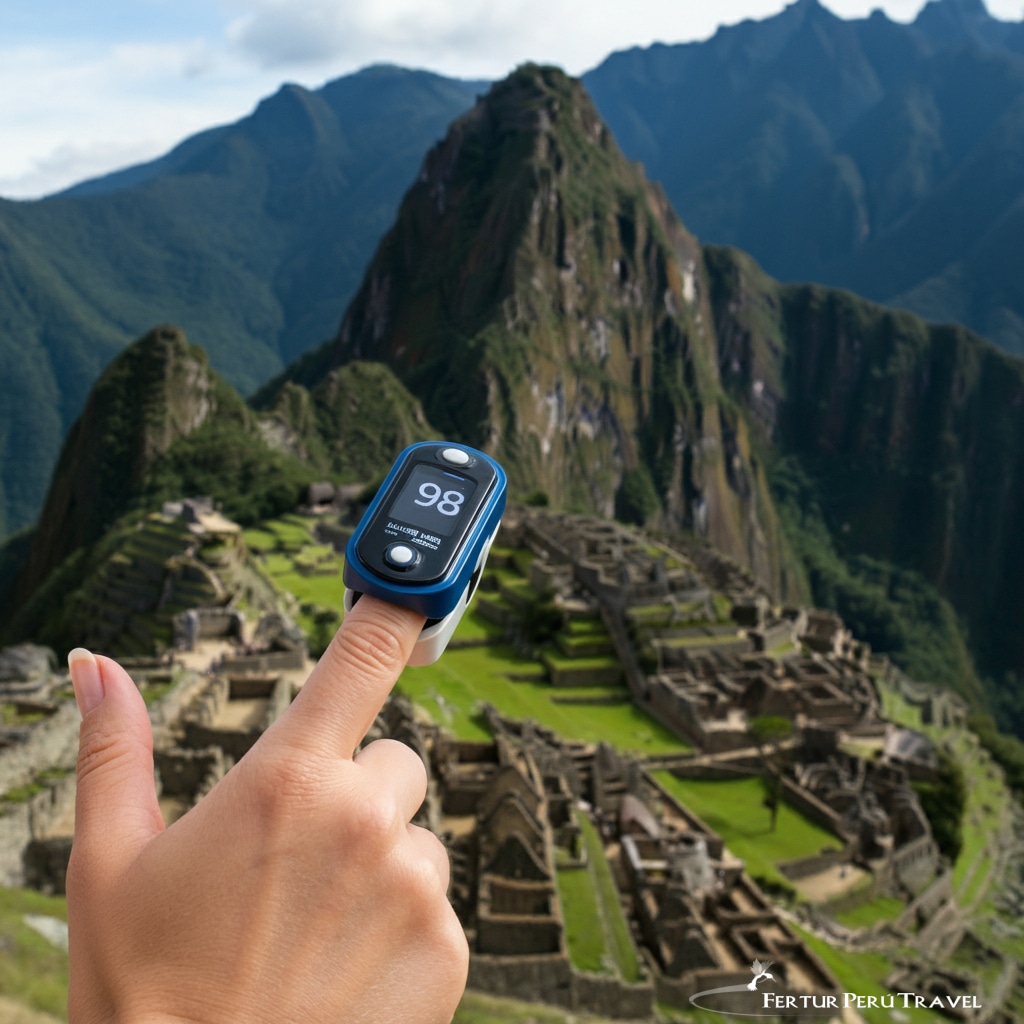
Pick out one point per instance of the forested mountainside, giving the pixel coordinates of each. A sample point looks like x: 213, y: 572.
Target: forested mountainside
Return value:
x: 252, y: 235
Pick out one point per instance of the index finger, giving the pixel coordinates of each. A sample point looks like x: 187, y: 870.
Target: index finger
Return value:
x: 349, y: 685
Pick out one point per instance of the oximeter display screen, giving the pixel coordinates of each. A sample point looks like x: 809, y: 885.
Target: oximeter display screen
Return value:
x: 417, y: 527
x: 433, y: 500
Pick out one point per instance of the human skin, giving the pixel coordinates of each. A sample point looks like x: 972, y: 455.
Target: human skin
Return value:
x: 296, y: 890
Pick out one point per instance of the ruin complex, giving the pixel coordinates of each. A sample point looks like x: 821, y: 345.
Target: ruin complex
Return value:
x: 526, y: 812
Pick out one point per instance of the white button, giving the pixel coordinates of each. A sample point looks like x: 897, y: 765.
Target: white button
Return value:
x: 456, y: 456
x: 400, y: 555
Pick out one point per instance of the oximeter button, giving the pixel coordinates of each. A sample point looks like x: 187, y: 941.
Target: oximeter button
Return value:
x: 455, y: 456
x: 401, y: 556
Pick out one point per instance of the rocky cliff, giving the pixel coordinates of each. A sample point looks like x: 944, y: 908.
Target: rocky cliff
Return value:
x: 542, y: 301
x: 911, y: 436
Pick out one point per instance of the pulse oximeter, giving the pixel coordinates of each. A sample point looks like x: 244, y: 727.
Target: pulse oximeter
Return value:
x: 423, y: 541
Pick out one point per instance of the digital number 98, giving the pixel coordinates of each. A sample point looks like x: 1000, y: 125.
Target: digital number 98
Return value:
x: 449, y: 502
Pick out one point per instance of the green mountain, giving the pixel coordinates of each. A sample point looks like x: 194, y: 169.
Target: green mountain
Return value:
x: 894, y: 443
x: 536, y: 296
x: 252, y: 236
x: 161, y: 425
x: 875, y: 156
x: 542, y: 301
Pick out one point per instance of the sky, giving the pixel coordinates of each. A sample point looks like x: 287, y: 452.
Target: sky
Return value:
x: 86, y: 88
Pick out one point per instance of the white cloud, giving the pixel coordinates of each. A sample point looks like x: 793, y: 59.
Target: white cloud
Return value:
x: 459, y: 37
x: 73, y: 111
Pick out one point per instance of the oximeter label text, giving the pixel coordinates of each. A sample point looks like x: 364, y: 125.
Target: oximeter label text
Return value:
x: 426, y: 540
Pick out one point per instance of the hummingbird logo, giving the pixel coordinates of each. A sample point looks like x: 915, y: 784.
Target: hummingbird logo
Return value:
x: 760, y: 971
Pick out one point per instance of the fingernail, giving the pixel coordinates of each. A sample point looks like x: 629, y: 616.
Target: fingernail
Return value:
x: 86, y: 679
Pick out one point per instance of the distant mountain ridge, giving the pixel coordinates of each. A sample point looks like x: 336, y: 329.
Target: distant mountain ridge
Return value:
x: 543, y: 302
x: 866, y: 154
x: 541, y: 299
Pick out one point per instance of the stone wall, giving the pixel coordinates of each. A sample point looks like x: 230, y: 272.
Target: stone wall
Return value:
x: 927, y: 903
x: 24, y: 825
x: 45, y: 864
x: 804, y: 867
x: 203, y: 623
x: 677, y: 991
x: 715, y: 844
x: 186, y: 772
x: 234, y: 742
x: 567, y: 674
x: 15, y: 834
x: 511, y: 935
x: 720, y: 770
x: 261, y: 664
x: 913, y: 865
x: 51, y: 743
x: 552, y: 979
x: 544, y: 978
x: 813, y: 808
x: 612, y: 997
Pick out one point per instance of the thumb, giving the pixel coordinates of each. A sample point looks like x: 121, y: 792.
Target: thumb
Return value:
x: 116, y: 809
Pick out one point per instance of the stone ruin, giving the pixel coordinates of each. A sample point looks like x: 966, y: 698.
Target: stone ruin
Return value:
x: 38, y: 747
x: 202, y: 725
x: 710, y: 682
x: 509, y: 811
x: 509, y: 808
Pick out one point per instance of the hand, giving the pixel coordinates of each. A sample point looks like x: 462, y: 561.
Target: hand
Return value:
x: 296, y: 890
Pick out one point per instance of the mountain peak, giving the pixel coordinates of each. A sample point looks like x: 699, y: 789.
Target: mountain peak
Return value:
x: 157, y: 390
x: 540, y: 298
x: 952, y: 22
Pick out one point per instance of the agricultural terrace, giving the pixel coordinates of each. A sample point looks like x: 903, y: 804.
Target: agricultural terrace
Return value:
x: 990, y: 851
x: 479, y: 666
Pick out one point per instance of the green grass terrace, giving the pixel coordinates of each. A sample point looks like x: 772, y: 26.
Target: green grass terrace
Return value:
x: 453, y: 690
x: 735, y: 809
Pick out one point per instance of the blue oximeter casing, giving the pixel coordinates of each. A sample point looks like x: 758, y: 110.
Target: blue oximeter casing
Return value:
x: 424, y: 539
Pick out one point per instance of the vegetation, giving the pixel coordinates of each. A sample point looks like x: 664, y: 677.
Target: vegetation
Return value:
x: 454, y: 689
x: 1008, y: 751
x: 770, y: 733
x: 226, y: 232
x: 596, y: 931
x: 32, y: 970
x: 225, y: 459
x: 883, y: 908
x: 892, y: 446
x: 895, y: 610
x: 613, y: 922
x: 636, y: 500
x: 477, y: 1008
x: 864, y: 974
x: 736, y: 811
x: 584, y: 930
x: 943, y: 802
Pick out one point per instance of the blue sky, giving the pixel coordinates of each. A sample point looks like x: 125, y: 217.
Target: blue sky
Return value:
x: 89, y: 87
